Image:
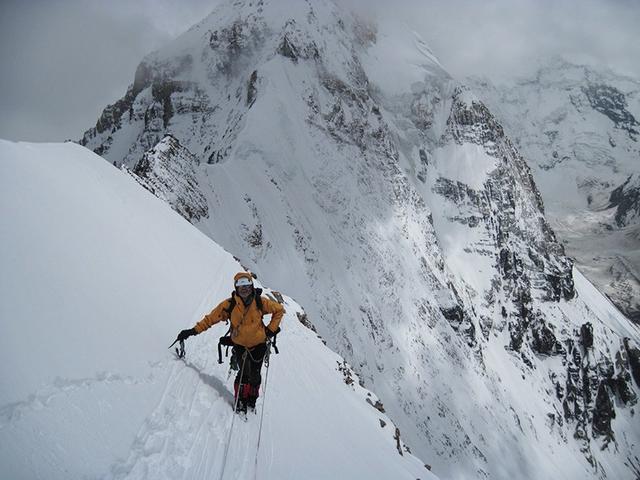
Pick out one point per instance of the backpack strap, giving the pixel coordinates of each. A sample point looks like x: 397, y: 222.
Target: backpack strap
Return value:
x: 232, y: 304
x: 274, y: 340
x: 226, y: 339
x: 258, y: 298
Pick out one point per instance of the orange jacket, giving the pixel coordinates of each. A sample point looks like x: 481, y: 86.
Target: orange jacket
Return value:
x: 247, y: 328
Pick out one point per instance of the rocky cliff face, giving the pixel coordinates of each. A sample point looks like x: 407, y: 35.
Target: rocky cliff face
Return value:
x: 398, y: 212
x: 531, y: 275
x: 169, y: 171
x: 528, y: 261
x: 626, y: 200
x: 579, y: 128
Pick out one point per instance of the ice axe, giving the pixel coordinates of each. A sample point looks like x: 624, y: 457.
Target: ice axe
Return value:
x: 179, y: 351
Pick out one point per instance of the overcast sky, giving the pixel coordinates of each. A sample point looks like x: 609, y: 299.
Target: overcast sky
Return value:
x: 63, y: 61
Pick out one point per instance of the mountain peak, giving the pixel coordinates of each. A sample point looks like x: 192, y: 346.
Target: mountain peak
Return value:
x: 579, y: 127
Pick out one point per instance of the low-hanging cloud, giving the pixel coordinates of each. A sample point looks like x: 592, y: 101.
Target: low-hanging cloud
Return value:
x: 503, y: 38
x: 63, y: 61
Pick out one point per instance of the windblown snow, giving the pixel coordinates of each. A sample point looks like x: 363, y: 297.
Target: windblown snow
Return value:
x: 98, y: 276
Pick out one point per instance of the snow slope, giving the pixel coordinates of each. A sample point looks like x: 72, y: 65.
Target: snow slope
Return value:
x: 98, y: 276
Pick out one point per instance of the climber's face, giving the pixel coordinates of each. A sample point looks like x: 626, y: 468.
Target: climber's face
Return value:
x: 244, y: 287
x: 245, y: 290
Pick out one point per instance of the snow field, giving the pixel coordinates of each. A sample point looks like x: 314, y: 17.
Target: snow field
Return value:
x: 98, y: 277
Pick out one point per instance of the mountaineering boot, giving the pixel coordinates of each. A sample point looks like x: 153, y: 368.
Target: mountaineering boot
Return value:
x: 242, y: 406
x: 242, y: 394
x: 252, y: 396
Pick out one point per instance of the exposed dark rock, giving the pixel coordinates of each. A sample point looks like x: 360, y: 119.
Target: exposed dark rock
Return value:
x: 454, y: 315
x: 377, y: 405
x: 510, y: 265
x: 295, y: 45
x: 586, y: 335
x: 396, y: 437
x: 161, y: 91
x: 461, y: 323
x: 424, y: 161
x: 517, y: 331
x: 574, y: 402
x: 474, y: 124
x: 544, y: 341
x: 520, y: 323
x: 587, y: 385
x: 233, y: 44
x: 347, y: 373
x: 559, y: 287
x: 252, y: 89
x: 612, y: 103
x: 603, y: 412
x: 622, y: 384
x: 110, y: 117
x: 253, y: 236
x: 633, y: 355
x: 626, y: 199
x: 146, y: 75
x: 559, y: 390
x: 526, y: 360
x: 286, y: 49
x: 622, y: 388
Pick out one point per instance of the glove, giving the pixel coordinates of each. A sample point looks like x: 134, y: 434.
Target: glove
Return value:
x: 269, y: 333
x: 184, y: 334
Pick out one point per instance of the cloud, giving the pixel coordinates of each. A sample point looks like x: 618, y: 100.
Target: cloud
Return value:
x: 63, y: 61
x: 502, y: 38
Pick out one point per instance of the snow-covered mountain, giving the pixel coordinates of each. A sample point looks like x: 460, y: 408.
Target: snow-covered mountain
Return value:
x: 580, y: 129
x: 340, y: 161
x: 98, y: 276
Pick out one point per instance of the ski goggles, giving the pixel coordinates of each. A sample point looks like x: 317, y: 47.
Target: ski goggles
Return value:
x: 244, y: 282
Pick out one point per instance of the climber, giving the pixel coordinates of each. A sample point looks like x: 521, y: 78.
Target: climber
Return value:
x: 248, y: 335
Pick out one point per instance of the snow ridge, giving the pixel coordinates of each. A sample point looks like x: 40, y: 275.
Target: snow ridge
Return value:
x: 103, y: 275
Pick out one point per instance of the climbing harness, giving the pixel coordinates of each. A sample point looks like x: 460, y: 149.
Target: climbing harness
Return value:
x: 226, y: 341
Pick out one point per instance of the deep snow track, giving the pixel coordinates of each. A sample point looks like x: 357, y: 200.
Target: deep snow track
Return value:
x: 307, y: 407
